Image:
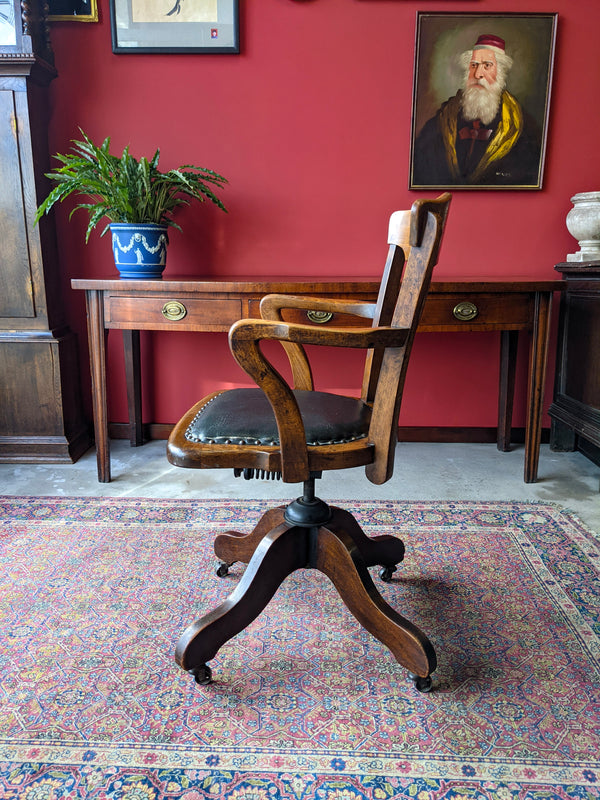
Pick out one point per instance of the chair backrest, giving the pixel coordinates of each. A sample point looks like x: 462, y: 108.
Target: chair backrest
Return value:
x: 414, y: 240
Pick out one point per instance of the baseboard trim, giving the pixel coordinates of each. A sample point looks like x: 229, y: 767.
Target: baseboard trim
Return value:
x: 462, y: 435
x: 34, y: 449
x: 120, y: 430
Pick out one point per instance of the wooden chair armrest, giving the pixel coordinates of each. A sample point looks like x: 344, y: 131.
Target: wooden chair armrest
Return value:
x: 246, y: 330
x: 270, y: 308
x: 271, y: 305
x: 244, y: 339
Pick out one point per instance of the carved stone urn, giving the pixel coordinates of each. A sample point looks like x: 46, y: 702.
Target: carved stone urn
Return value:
x: 583, y: 223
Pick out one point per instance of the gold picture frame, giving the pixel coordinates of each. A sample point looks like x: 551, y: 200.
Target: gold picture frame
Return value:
x: 75, y: 11
x: 455, y: 146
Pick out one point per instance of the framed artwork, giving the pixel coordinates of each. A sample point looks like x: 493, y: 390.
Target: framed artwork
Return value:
x: 8, y: 30
x: 481, y: 100
x: 174, y: 26
x: 73, y: 10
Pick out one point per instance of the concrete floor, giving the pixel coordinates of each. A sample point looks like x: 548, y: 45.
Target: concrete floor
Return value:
x: 423, y: 472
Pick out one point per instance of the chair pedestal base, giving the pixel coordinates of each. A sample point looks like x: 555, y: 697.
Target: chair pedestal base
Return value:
x: 339, y: 549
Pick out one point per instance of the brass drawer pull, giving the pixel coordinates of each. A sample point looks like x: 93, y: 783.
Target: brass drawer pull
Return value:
x: 319, y: 317
x: 174, y: 310
x: 465, y: 311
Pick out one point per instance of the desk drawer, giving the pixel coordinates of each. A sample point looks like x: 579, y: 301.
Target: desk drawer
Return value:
x: 472, y: 311
x: 301, y: 317
x: 168, y: 312
x: 468, y: 311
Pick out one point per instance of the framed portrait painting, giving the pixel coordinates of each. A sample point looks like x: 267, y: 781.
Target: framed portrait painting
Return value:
x: 73, y: 10
x: 174, y: 26
x: 481, y: 100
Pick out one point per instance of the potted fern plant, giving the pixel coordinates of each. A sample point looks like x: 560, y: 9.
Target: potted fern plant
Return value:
x: 135, y: 198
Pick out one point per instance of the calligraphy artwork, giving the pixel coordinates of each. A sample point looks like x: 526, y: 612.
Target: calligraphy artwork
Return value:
x: 174, y: 26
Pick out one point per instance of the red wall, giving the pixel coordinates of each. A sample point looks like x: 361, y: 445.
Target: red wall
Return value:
x: 311, y: 125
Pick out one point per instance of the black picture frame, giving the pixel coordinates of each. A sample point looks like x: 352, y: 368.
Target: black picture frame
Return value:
x: 167, y: 26
x: 514, y: 154
x: 73, y: 10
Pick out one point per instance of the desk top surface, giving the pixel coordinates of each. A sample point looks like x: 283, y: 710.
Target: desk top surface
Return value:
x: 289, y: 284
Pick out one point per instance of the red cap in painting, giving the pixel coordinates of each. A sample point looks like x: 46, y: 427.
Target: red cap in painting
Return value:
x: 489, y: 40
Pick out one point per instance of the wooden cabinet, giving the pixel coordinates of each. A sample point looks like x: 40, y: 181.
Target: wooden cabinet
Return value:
x: 41, y: 415
x: 575, y: 411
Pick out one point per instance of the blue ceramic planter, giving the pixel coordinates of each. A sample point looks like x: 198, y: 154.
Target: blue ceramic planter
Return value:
x: 140, y: 250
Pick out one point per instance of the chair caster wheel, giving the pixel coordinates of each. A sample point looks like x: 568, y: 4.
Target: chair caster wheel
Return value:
x: 386, y: 573
x: 421, y: 684
x: 222, y: 570
x: 202, y: 674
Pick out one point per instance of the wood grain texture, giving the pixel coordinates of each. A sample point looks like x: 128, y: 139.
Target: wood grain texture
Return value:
x: 308, y: 533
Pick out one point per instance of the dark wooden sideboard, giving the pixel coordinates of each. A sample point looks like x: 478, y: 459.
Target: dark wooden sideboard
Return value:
x: 41, y: 409
x: 575, y: 410
x: 508, y: 305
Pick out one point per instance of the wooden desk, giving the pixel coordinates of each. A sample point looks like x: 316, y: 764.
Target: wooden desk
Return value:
x: 467, y: 304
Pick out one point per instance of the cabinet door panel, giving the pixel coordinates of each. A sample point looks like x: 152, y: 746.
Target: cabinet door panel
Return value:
x: 16, y: 287
x: 582, y: 380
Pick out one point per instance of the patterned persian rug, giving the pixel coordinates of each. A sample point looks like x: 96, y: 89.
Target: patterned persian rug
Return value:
x: 94, y: 594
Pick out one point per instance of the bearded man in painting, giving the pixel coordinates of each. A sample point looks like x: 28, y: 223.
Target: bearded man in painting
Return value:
x: 481, y: 136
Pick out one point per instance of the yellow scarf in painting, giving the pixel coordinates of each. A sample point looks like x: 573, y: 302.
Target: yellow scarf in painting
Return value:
x: 503, y: 139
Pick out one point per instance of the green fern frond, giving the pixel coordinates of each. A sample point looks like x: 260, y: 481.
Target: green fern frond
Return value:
x: 123, y: 189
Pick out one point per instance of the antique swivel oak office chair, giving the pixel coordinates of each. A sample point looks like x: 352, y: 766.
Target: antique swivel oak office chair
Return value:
x: 296, y: 433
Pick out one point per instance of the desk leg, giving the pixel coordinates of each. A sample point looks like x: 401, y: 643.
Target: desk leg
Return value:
x: 508, y: 362
x: 131, y: 344
x: 97, y: 344
x: 538, y: 356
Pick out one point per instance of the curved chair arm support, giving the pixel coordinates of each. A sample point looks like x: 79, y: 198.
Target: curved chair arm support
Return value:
x: 271, y: 304
x: 244, y: 339
x: 257, y: 330
x: 270, y: 308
